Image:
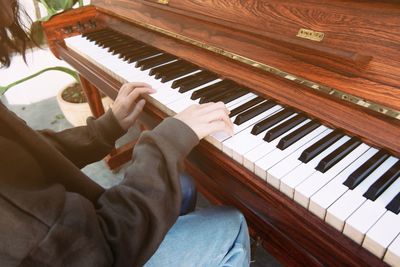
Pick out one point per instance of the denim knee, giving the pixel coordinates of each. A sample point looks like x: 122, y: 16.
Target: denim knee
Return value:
x: 189, y: 194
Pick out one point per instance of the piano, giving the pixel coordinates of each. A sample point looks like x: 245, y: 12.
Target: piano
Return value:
x: 314, y: 92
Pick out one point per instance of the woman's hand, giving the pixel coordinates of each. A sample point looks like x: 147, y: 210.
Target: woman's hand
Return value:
x: 206, y: 119
x: 128, y: 105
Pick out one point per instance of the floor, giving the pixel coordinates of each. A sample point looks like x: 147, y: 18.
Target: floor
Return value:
x: 35, y: 102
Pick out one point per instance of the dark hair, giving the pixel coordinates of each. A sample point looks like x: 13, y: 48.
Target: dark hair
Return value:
x: 14, y: 38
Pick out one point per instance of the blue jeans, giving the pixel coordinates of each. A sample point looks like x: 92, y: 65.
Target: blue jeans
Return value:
x: 216, y: 236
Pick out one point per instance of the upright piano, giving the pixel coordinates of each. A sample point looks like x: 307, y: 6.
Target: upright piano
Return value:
x: 314, y: 92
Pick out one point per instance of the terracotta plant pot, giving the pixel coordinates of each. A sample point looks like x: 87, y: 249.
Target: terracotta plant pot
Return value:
x: 77, y: 113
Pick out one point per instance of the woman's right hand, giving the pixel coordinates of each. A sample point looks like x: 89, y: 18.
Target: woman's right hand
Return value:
x: 206, y: 119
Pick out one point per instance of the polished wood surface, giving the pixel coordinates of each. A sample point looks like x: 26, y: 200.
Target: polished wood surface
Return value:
x: 354, y: 64
x: 266, y: 30
x: 92, y: 93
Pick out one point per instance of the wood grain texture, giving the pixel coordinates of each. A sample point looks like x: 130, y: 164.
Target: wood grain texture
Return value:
x: 93, y: 96
x: 266, y: 31
x: 65, y: 24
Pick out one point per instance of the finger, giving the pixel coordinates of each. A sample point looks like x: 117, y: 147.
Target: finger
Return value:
x: 136, y: 111
x: 213, y: 115
x: 210, y: 107
x: 219, y: 115
x: 134, y: 95
x: 127, y: 88
x: 217, y: 126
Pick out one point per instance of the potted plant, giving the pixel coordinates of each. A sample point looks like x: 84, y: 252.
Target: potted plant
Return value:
x: 72, y: 100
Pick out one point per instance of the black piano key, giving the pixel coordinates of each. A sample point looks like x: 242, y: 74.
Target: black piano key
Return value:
x: 113, y: 41
x: 215, y: 95
x: 115, y: 49
x: 296, y: 135
x: 149, y: 63
x: 230, y: 96
x: 200, y: 76
x: 271, y: 120
x: 144, y: 54
x: 101, y: 36
x: 252, y: 112
x: 208, y: 90
x: 284, y: 127
x: 138, y: 51
x: 132, y: 51
x: 173, y: 69
x: 122, y: 44
x: 366, y: 169
x: 119, y: 44
x: 172, y: 75
x: 380, y: 185
x: 394, y: 204
x: 98, y: 32
x: 247, y: 105
x: 171, y: 65
x: 312, y: 151
x: 123, y: 52
x: 338, y: 154
x: 188, y: 87
x: 211, y: 95
x: 100, y: 40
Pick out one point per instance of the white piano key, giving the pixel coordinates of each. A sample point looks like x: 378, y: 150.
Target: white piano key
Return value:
x: 304, y: 170
x: 369, y: 213
x: 238, y: 128
x: 245, y: 141
x: 277, y: 172
x: 335, y: 188
x: 263, y: 164
x: 361, y: 220
x: 277, y: 155
x: 350, y: 201
x: 263, y: 148
x: 241, y: 100
x: 311, y: 185
x: 382, y: 233
x: 392, y: 255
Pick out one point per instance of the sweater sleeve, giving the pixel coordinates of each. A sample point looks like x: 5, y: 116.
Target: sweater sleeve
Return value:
x: 136, y: 214
x: 87, y: 144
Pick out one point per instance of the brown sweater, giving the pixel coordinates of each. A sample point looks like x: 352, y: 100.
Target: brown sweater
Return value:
x: 54, y: 215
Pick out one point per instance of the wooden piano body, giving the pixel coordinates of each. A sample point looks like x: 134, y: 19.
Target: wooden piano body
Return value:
x: 347, y: 59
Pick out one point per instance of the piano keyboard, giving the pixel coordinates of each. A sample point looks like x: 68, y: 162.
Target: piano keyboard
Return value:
x: 351, y: 186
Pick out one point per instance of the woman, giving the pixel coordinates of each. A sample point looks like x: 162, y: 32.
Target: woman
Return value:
x: 54, y: 215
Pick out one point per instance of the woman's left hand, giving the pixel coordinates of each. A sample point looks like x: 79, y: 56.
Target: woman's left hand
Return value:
x: 128, y: 105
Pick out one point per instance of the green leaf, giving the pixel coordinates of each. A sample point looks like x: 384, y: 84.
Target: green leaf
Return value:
x: 71, y: 72
x: 37, y: 33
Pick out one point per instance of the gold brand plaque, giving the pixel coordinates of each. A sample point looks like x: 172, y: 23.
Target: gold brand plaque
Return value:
x: 164, y: 2
x: 310, y: 35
